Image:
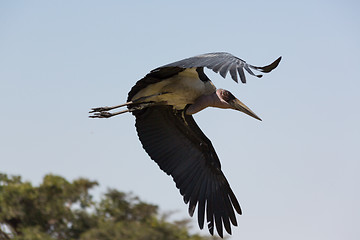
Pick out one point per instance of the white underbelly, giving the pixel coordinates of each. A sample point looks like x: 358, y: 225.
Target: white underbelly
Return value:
x: 178, y: 91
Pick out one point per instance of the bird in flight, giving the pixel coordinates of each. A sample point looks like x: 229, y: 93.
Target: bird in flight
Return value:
x: 163, y: 103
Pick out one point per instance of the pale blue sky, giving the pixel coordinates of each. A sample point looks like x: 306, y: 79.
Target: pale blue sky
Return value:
x: 296, y: 173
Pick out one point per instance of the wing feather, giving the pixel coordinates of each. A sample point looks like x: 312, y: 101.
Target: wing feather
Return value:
x: 233, y: 73
x: 242, y: 75
x: 194, y: 196
x: 224, y: 62
x: 218, y: 62
x: 225, y: 69
x: 175, y: 142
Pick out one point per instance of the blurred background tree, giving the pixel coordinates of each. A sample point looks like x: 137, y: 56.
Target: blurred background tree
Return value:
x: 59, y: 209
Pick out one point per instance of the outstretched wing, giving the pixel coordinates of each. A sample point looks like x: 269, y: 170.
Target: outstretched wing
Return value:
x: 219, y: 62
x: 175, y: 142
x: 223, y: 63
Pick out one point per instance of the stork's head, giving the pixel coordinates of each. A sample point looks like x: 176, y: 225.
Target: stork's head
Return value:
x: 220, y: 99
x: 225, y: 99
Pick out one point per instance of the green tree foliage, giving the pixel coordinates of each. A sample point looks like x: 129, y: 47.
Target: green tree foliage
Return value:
x: 59, y: 209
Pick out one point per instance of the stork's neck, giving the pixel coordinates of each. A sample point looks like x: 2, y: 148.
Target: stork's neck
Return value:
x: 211, y: 100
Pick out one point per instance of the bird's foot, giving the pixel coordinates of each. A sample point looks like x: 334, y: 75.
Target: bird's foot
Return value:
x: 105, y: 114
x: 101, y: 109
x: 100, y: 114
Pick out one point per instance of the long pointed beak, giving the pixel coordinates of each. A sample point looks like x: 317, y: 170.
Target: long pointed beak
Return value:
x: 238, y: 105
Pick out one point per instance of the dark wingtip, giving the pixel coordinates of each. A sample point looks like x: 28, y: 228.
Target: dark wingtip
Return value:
x: 269, y: 68
x: 191, y: 210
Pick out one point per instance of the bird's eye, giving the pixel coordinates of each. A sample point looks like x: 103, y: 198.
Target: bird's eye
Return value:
x: 227, y: 96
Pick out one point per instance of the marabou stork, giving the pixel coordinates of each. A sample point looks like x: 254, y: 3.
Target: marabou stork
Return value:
x: 163, y: 103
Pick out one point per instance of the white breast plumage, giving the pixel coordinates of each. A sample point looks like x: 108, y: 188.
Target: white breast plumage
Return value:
x: 181, y: 89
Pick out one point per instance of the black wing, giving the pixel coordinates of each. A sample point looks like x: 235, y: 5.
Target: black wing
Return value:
x: 223, y: 62
x: 175, y: 142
